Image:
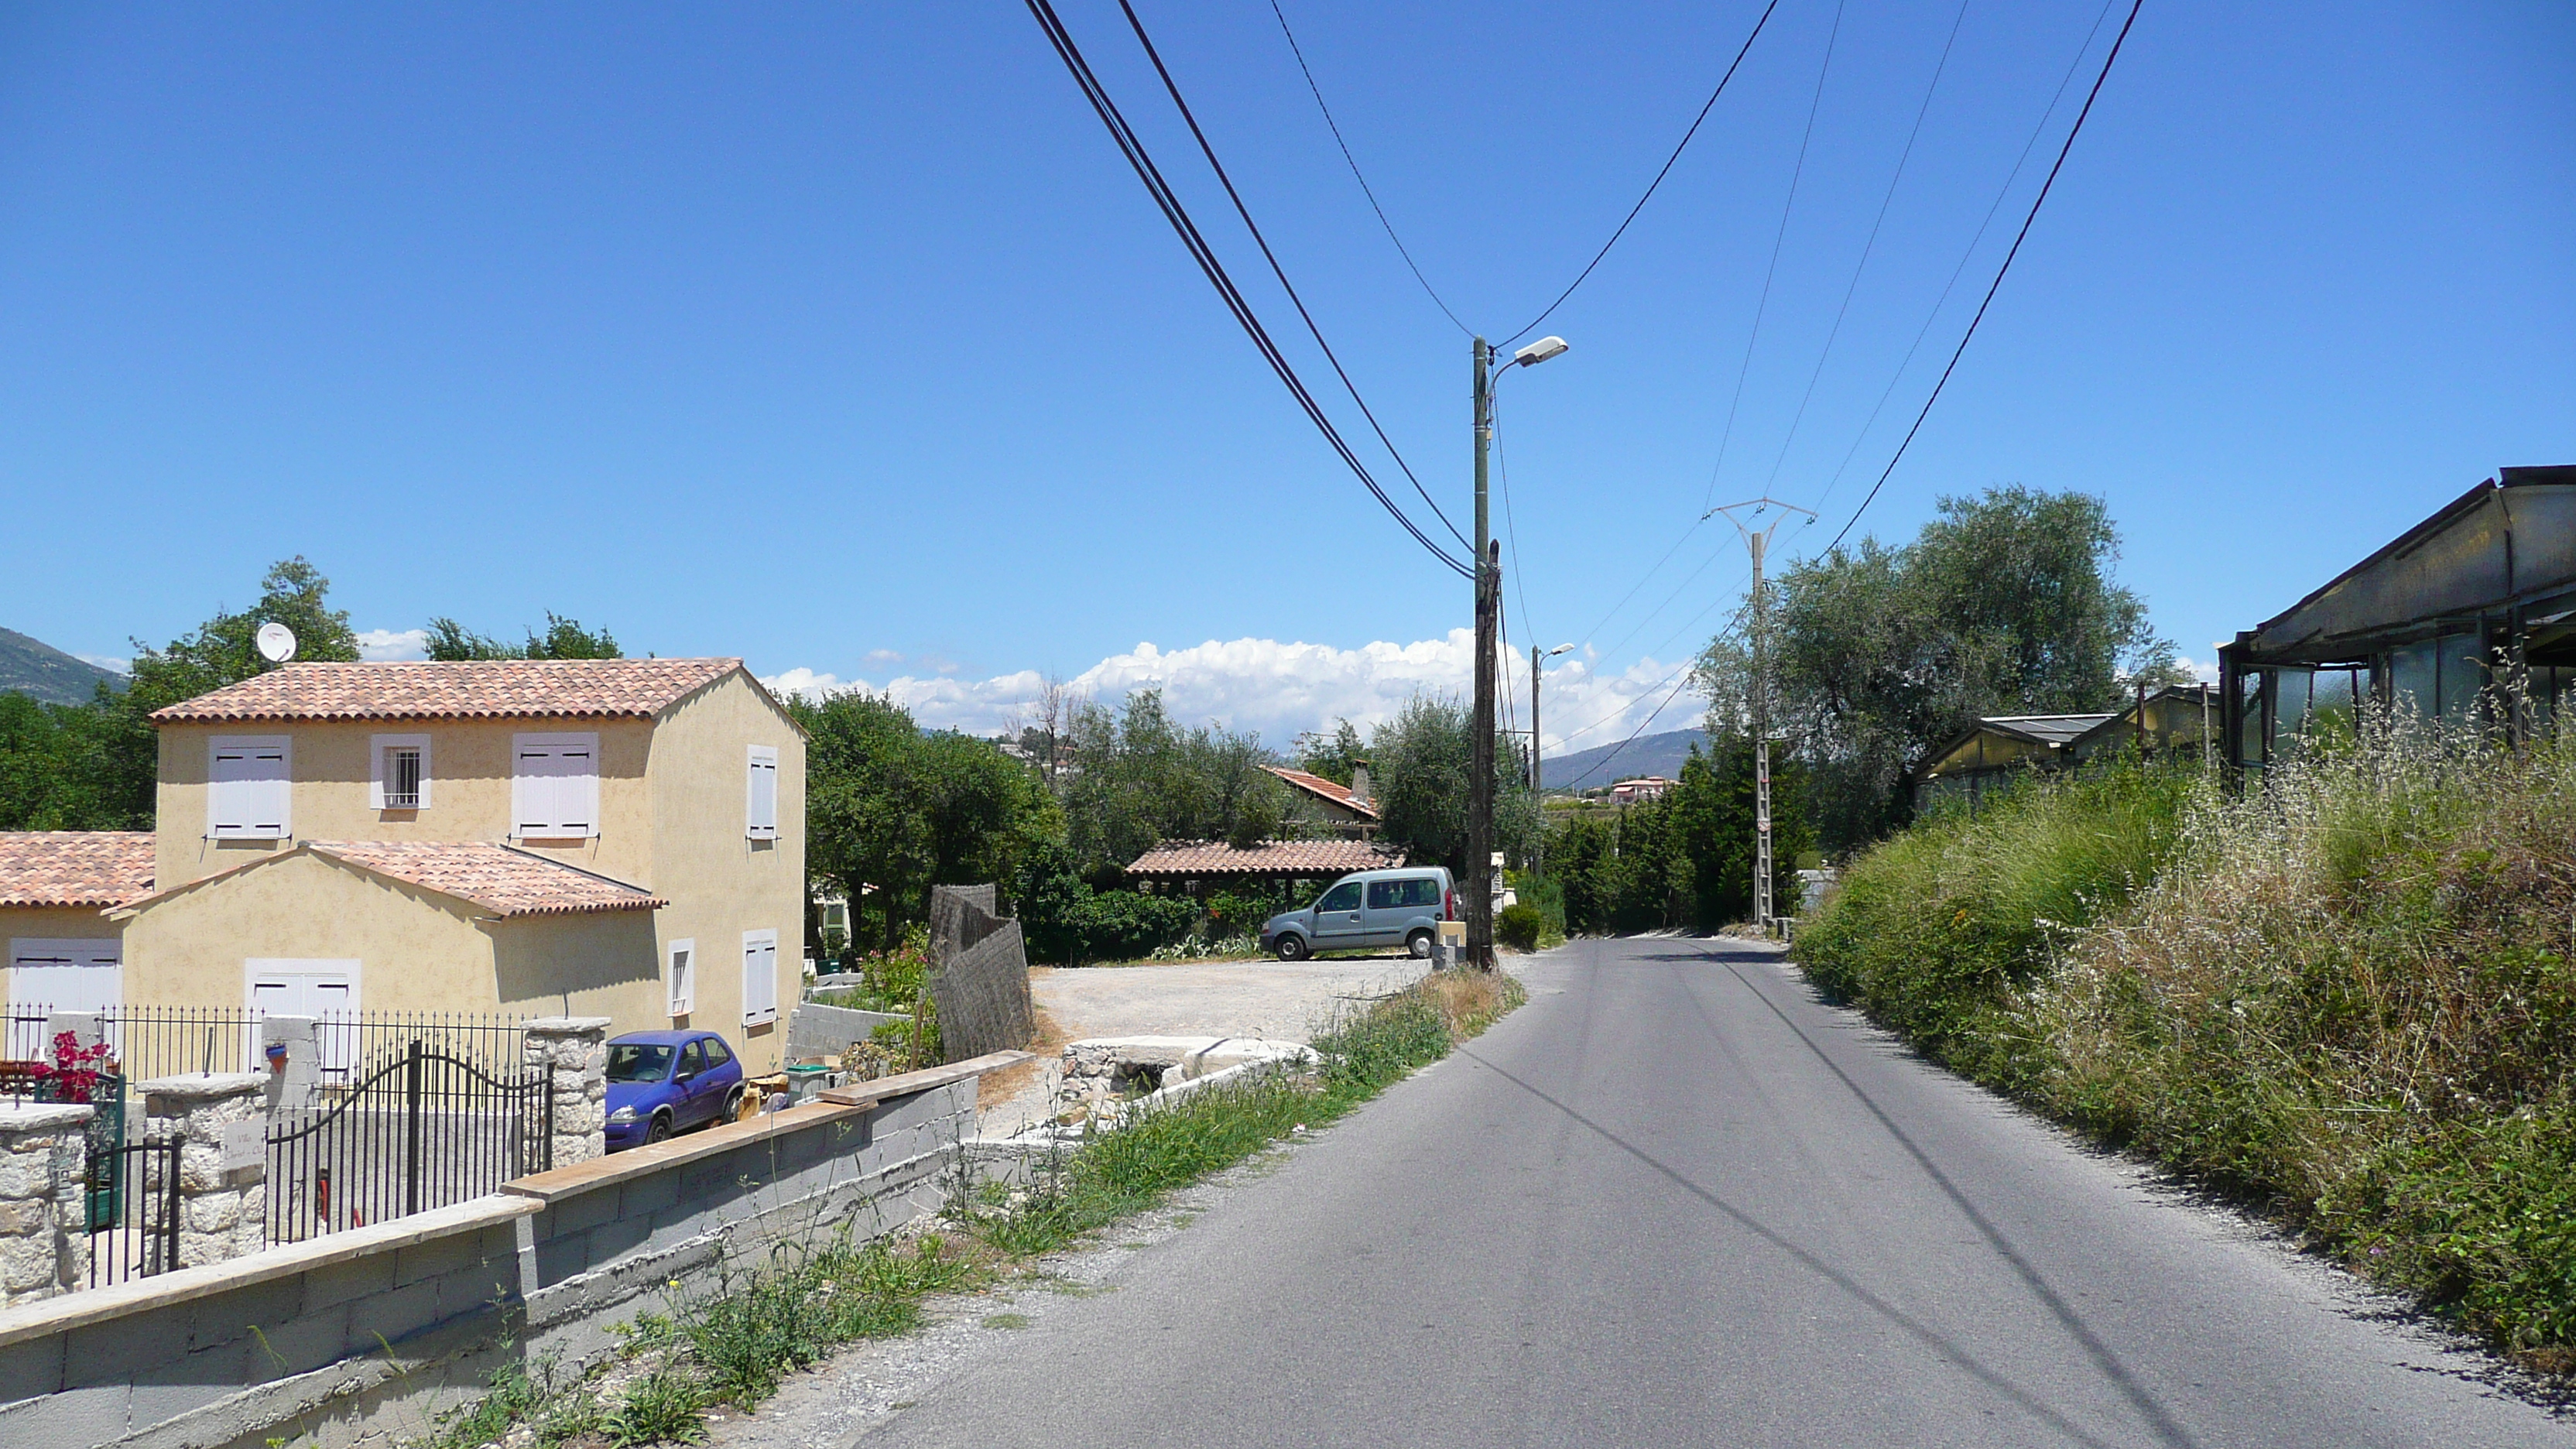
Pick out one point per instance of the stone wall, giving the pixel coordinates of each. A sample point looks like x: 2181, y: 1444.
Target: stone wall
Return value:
x: 42, y: 1146
x: 365, y: 1336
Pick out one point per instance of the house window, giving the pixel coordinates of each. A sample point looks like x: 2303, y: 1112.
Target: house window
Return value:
x: 248, y: 785
x: 398, y: 776
x: 681, y: 986
x: 80, y: 975
x: 554, y: 787
x: 760, y: 794
x: 759, y: 977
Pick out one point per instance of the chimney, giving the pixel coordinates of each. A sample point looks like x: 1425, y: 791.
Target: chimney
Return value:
x: 1360, y: 781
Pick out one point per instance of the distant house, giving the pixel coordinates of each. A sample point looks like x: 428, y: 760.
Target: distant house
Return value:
x: 1996, y: 749
x: 1345, y: 810
x: 1643, y: 787
x: 54, y: 887
x: 2468, y: 617
x: 621, y: 838
x: 2176, y: 720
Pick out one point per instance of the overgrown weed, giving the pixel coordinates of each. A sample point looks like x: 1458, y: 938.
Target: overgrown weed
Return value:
x: 2346, y: 997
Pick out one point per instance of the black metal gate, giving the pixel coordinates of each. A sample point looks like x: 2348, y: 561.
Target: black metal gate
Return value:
x: 132, y: 1196
x: 422, y: 1130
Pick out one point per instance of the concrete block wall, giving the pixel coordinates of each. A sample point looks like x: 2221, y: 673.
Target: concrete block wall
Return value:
x: 365, y: 1336
x: 816, y: 1030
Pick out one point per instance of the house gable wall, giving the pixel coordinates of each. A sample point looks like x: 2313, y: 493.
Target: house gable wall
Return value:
x: 721, y: 883
x: 418, y: 951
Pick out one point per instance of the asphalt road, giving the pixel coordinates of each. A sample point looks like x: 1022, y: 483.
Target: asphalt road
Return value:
x: 1677, y: 1200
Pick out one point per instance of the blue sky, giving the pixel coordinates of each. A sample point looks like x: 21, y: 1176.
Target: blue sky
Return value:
x: 839, y: 337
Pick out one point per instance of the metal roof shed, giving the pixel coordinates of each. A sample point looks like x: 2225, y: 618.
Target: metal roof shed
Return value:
x: 2468, y: 617
x: 1993, y: 748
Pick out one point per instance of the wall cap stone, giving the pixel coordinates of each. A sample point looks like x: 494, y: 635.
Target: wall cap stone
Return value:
x: 205, y: 1086
x: 565, y: 1025
x: 44, y: 1116
x: 97, y: 1305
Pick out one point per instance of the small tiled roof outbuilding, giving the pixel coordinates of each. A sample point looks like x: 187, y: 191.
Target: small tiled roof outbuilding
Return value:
x: 74, y: 867
x: 464, y: 689
x: 1191, y: 859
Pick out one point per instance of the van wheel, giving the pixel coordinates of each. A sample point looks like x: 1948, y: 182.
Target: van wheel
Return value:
x: 1418, y: 945
x: 1293, y: 947
x: 733, y: 1106
x: 660, y: 1130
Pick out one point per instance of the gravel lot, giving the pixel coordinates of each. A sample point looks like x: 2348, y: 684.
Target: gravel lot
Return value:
x: 1195, y: 998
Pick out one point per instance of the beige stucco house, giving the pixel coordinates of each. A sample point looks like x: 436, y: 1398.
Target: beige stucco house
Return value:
x: 55, y: 886
x: 620, y: 838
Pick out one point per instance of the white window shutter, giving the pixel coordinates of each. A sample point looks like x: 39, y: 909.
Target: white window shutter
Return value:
x: 249, y: 789
x: 760, y: 794
x: 759, y: 977
x: 532, y: 792
x: 554, y: 790
x: 682, y: 985
x: 577, y: 790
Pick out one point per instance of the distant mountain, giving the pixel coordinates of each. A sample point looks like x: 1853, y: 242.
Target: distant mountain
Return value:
x: 33, y: 667
x: 1608, y: 764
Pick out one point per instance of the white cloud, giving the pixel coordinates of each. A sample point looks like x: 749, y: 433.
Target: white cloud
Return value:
x: 390, y: 644
x: 885, y: 656
x: 1282, y: 690
x: 2205, y: 672
x: 112, y: 663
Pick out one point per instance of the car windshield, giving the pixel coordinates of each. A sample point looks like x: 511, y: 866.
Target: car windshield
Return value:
x: 635, y: 1061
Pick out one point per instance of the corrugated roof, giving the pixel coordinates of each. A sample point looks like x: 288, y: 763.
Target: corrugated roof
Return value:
x: 1277, y: 857
x: 468, y: 689
x: 74, y: 867
x: 502, y: 879
x: 1317, y: 785
x: 2054, y: 729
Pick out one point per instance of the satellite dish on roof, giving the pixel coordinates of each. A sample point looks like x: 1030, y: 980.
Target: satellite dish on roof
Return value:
x: 276, y: 642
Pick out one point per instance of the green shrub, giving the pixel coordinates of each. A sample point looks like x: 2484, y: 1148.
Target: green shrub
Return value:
x: 1518, y: 926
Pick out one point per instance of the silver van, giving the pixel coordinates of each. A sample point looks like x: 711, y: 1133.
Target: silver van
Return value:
x: 1373, y: 908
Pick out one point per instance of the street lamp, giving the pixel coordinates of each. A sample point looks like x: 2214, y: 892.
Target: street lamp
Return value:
x: 1535, y: 657
x: 1480, y: 764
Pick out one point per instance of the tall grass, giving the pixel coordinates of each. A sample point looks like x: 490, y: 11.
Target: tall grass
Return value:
x: 2346, y: 997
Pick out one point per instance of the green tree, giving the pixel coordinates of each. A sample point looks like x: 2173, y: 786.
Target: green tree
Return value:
x: 1337, y: 758
x: 93, y: 767
x: 1420, y: 762
x: 2004, y: 604
x: 891, y: 812
x: 563, y: 638
x: 1137, y: 779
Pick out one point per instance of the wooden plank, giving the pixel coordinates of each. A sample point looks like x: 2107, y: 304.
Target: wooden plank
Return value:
x: 884, y: 1089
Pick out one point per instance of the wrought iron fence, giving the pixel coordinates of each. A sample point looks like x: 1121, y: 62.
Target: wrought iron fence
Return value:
x: 404, y: 1133
x: 132, y: 1195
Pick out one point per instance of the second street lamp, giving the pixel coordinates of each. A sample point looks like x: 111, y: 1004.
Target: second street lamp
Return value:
x: 1480, y: 745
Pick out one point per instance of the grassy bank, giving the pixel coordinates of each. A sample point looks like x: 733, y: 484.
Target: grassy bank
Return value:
x: 734, y: 1343
x: 2346, y: 998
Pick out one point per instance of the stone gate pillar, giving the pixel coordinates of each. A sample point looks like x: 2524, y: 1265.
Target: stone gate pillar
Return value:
x: 43, y: 1146
x: 221, y: 1119
x: 573, y: 1053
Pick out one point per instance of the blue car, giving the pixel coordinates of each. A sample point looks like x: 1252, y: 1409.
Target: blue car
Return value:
x: 661, y: 1082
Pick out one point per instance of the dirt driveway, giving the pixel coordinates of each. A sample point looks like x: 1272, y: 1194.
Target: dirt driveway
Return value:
x: 1181, y: 998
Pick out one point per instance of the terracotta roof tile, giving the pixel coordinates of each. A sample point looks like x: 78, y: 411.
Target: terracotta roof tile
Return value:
x: 74, y: 867
x: 474, y: 689
x: 1317, y: 785
x: 502, y: 879
x: 1304, y: 857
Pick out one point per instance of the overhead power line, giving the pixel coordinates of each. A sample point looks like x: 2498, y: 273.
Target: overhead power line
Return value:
x: 1132, y: 147
x: 1365, y: 189
x: 1788, y: 205
x: 2024, y: 235
x: 1678, y: 148
x: 1173, y: 88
